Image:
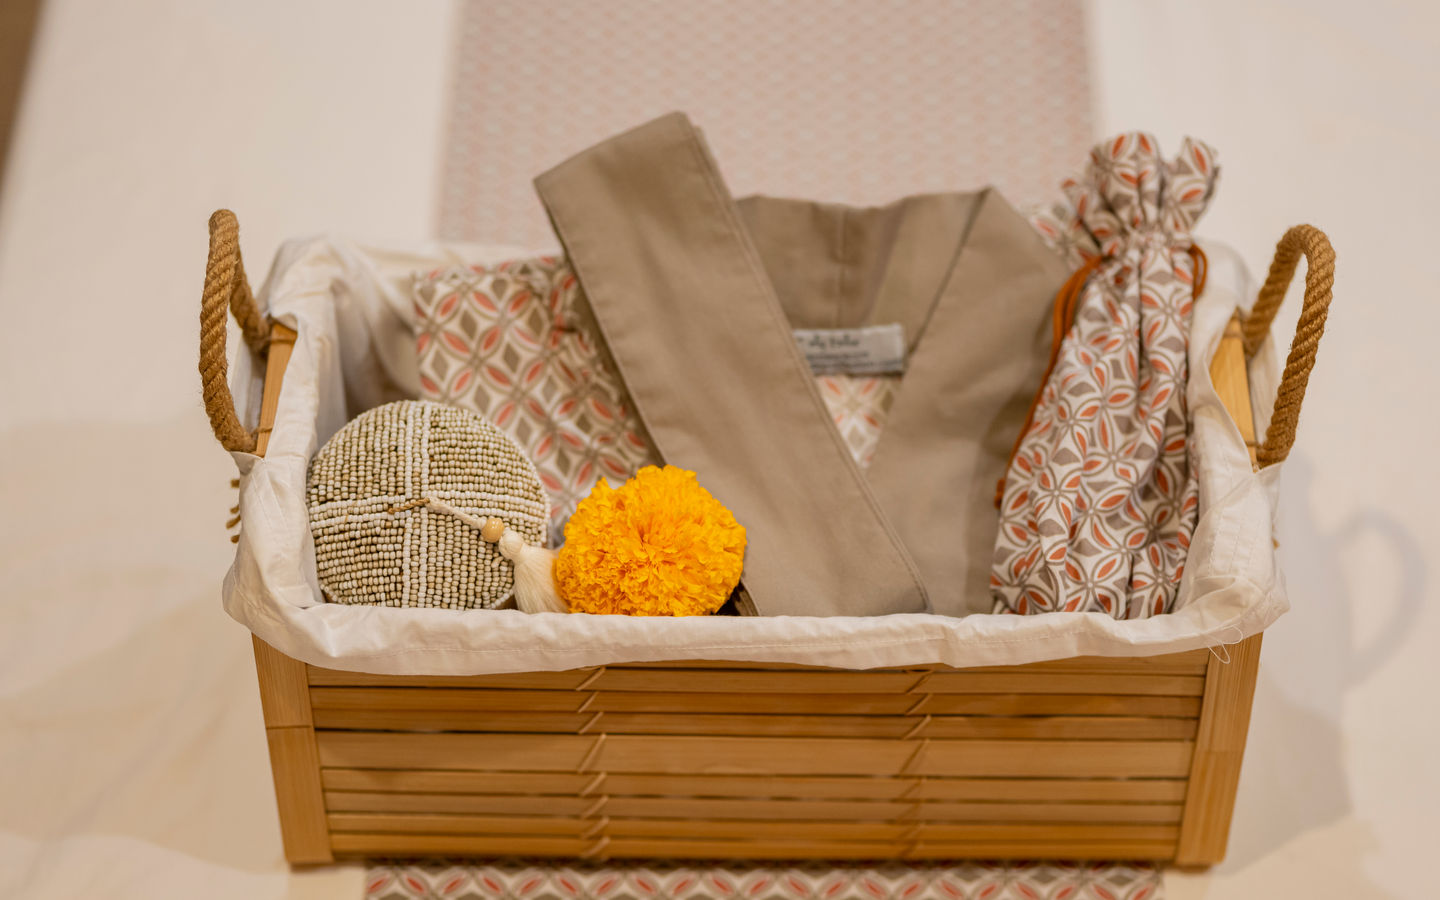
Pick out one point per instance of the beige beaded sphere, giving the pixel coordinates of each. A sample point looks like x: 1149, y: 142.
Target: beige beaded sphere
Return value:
x: 378, y: 542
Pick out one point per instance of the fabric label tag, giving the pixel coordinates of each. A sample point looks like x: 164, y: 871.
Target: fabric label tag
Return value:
x: 875, y: 350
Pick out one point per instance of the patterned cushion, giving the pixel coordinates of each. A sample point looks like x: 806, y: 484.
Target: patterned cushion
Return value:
x: 516, y: 343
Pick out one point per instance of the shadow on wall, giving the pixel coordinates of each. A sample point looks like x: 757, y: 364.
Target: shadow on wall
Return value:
x: 1295, y: 769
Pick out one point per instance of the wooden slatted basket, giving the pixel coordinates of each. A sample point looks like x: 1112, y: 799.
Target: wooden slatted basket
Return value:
x: 1085, y: 758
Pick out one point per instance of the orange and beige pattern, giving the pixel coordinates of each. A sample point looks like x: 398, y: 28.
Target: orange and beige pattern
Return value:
x: 516, y: 343
x: 858, y: 102
x: 859, y: 406
x: 1101, y: 498
x: 813, y: 881
x: 511, y: 343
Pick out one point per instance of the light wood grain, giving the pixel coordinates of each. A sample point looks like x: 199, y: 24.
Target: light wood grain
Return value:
x: 1187, y: 662
x: 515, y: 681
x: 520, y: 752
x: 752, y: 756
x: 423, y: 720
x: 1048, y: 832
x: 296, y: 772
x: 752, y: 808
x: 760, y: 809
x: 419, y: 823
x: 1062, y: 682
x: 1219, y: 750
x: 1019, y: 790
x: 1025, y: 850
x: 479, y: 804
x: 1133, y: 759
x: 1056, y: 705
x: 1115, y: 813
x: 284, y: 697
x: 489, y: 699
x: 454, y: 782
x: 1045, y: 728
x: 361, y: 844
x: 829, y: 829
x: 282, y: 345
x: 424, y: 699
x: 294, y: 763
x: 488, y: 846
x: 1035, y: 727
x: 1228, y: 374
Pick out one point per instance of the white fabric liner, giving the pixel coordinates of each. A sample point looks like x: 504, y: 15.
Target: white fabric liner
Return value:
x: 351, y: 307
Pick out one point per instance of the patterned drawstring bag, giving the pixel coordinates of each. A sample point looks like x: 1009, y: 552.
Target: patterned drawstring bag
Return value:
x: 1100, y: 499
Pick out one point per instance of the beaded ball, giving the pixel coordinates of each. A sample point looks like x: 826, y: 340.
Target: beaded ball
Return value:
x: 377, y: 543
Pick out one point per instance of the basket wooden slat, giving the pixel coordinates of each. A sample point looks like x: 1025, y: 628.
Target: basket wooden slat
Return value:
x: 741, y: 829
x: 1037, y: 846
x: 544, y: 786
x: 483, y: 701
x: 1033, y: 727
x: 756, y: 808
x: 753, y: 755
x: 1059, y: 705
x: 769, y: 809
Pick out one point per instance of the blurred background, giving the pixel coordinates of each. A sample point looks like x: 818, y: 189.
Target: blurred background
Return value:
x: 132, y: 756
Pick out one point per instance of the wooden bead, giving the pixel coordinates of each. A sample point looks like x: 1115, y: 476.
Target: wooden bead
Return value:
x: 493, y: 530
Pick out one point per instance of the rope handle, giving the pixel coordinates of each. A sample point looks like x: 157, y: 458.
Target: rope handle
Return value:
x: 226, y: 286
x: 1311, y: 243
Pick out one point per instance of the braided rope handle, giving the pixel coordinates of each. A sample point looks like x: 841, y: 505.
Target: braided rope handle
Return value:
x: 226, y: 286
x: 1311, y: 243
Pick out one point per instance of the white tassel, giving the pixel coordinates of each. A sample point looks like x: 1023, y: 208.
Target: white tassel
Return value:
x: 534, y: 566
x: 534, y: 575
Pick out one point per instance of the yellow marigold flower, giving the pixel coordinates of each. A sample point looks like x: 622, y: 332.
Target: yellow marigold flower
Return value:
x: 660, y: 545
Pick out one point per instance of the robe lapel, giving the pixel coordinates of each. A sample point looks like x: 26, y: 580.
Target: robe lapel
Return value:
x: 697, y: 333
x: 966, y: 390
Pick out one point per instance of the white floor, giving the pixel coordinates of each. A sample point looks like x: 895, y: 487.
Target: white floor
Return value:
x: 132, y: 762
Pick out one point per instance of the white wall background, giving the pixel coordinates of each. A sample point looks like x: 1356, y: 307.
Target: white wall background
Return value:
x: 1325, y: 112
x: 142, y: 117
